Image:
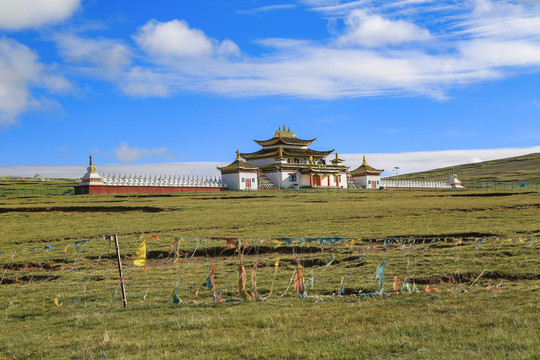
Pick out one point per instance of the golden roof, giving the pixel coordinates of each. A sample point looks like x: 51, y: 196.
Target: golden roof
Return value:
x: 337, y: 160
x: 285, y: 152
x: 366, y: 169
x: 237, y: 164
x: 286, y: 137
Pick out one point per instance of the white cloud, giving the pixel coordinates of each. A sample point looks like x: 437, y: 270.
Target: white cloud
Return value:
x: 127, y: 153
x: 20, y: 14
x: 352, y: 63
x: 21, y: 74
x: 103, y: 55
x: 142, y: 82
x: 267, y: 8
x: 373, y: 30
x: 409, y: 162
x: 176, y: 39
x: 481, y: 41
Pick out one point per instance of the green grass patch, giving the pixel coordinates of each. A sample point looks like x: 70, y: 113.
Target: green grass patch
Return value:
x: 438, y: 246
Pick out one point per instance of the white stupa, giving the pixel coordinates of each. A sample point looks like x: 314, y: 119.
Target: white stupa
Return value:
x: 91, y: 175
x: 454, y: 181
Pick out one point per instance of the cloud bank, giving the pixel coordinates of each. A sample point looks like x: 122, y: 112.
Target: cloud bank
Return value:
x: 21, y: 14
x: 394, y: 48
x: 24, y: 81
x: 126, y: 153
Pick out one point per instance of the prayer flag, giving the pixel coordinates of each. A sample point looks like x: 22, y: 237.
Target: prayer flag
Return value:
x: 242, y: 283
x: 140, y: 254
x: 299, y: 285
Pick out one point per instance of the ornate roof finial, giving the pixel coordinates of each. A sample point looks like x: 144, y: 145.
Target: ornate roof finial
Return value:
x: 279, y: 128
x: 91, y: 160
x: 289, y: 130
x: 284, y: 128
x: 238, y: 154
x: 280, y: 151
x: 337, y: 156
x: 364, y: 161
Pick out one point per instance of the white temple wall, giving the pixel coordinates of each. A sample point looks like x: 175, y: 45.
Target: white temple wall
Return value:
x: 231, y: 181
x: 242, y: 180
x: 367, y: 181
x: 304, y: 179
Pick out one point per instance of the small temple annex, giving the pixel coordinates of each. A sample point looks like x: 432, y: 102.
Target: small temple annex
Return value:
x: 284, y: 161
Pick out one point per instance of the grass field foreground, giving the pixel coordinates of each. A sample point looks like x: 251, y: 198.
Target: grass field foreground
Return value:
x: 486, y: 306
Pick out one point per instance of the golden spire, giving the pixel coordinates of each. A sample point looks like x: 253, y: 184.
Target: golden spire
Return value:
x: 91, y: 160
x: 364, y: 162
x: 289, y: 130
x: 284, y: 128
x: 238, y: 155
x: 279, y: 128
x: 280, y: 151
x: 337, y: 156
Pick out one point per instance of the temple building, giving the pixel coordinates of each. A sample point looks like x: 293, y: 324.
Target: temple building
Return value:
x: 366, y: 176
x: 286, y: 161
x: 239, y: 175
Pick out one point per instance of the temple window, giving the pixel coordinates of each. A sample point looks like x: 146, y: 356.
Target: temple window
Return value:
x: 288, y: 160
x: 292, y: 178
x: 243, y: 179
x: 321, y: 161
x: 296, y: 161
x: 303, y: 161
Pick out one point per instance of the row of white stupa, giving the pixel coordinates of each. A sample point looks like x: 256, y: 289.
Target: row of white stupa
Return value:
x: 420, y: 184
x: 162, y: 181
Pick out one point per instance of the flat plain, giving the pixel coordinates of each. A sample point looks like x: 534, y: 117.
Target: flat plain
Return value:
x: 59, y: 294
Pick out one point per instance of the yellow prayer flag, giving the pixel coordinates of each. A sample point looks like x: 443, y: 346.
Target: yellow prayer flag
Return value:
x: 140, y: 254
x: 57, y: 302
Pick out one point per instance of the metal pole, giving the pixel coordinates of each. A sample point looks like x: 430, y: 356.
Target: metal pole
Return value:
x: 122, y: 284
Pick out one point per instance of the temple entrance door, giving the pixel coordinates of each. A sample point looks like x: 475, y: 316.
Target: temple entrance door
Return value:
x: 316, y: 180
x: 248, y: 183
x: 373, y: 184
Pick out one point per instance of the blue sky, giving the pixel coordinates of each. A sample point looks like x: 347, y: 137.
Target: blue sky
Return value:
x: 138, y: 82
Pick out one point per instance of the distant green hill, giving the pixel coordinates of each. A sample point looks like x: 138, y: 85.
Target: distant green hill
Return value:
x: 522, y: 169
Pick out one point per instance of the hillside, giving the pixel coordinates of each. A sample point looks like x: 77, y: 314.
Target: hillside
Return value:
x: 522, y: 169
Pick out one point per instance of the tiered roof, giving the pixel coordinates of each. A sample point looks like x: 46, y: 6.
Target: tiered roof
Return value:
x: 284, y: 137
x: 365, y: 169
x: 291, y: 152
x: 285, y: 144
x: 237, y: 164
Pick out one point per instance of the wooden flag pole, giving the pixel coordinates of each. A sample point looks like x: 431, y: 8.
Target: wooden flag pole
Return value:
x: 122, y: 284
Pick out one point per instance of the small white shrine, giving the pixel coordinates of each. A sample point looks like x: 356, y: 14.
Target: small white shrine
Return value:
x: 239, y: 175
x: 366, y: 176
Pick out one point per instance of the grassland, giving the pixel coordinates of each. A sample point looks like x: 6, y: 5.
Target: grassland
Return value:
x: 519, y: 169
x: 463, y: 320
